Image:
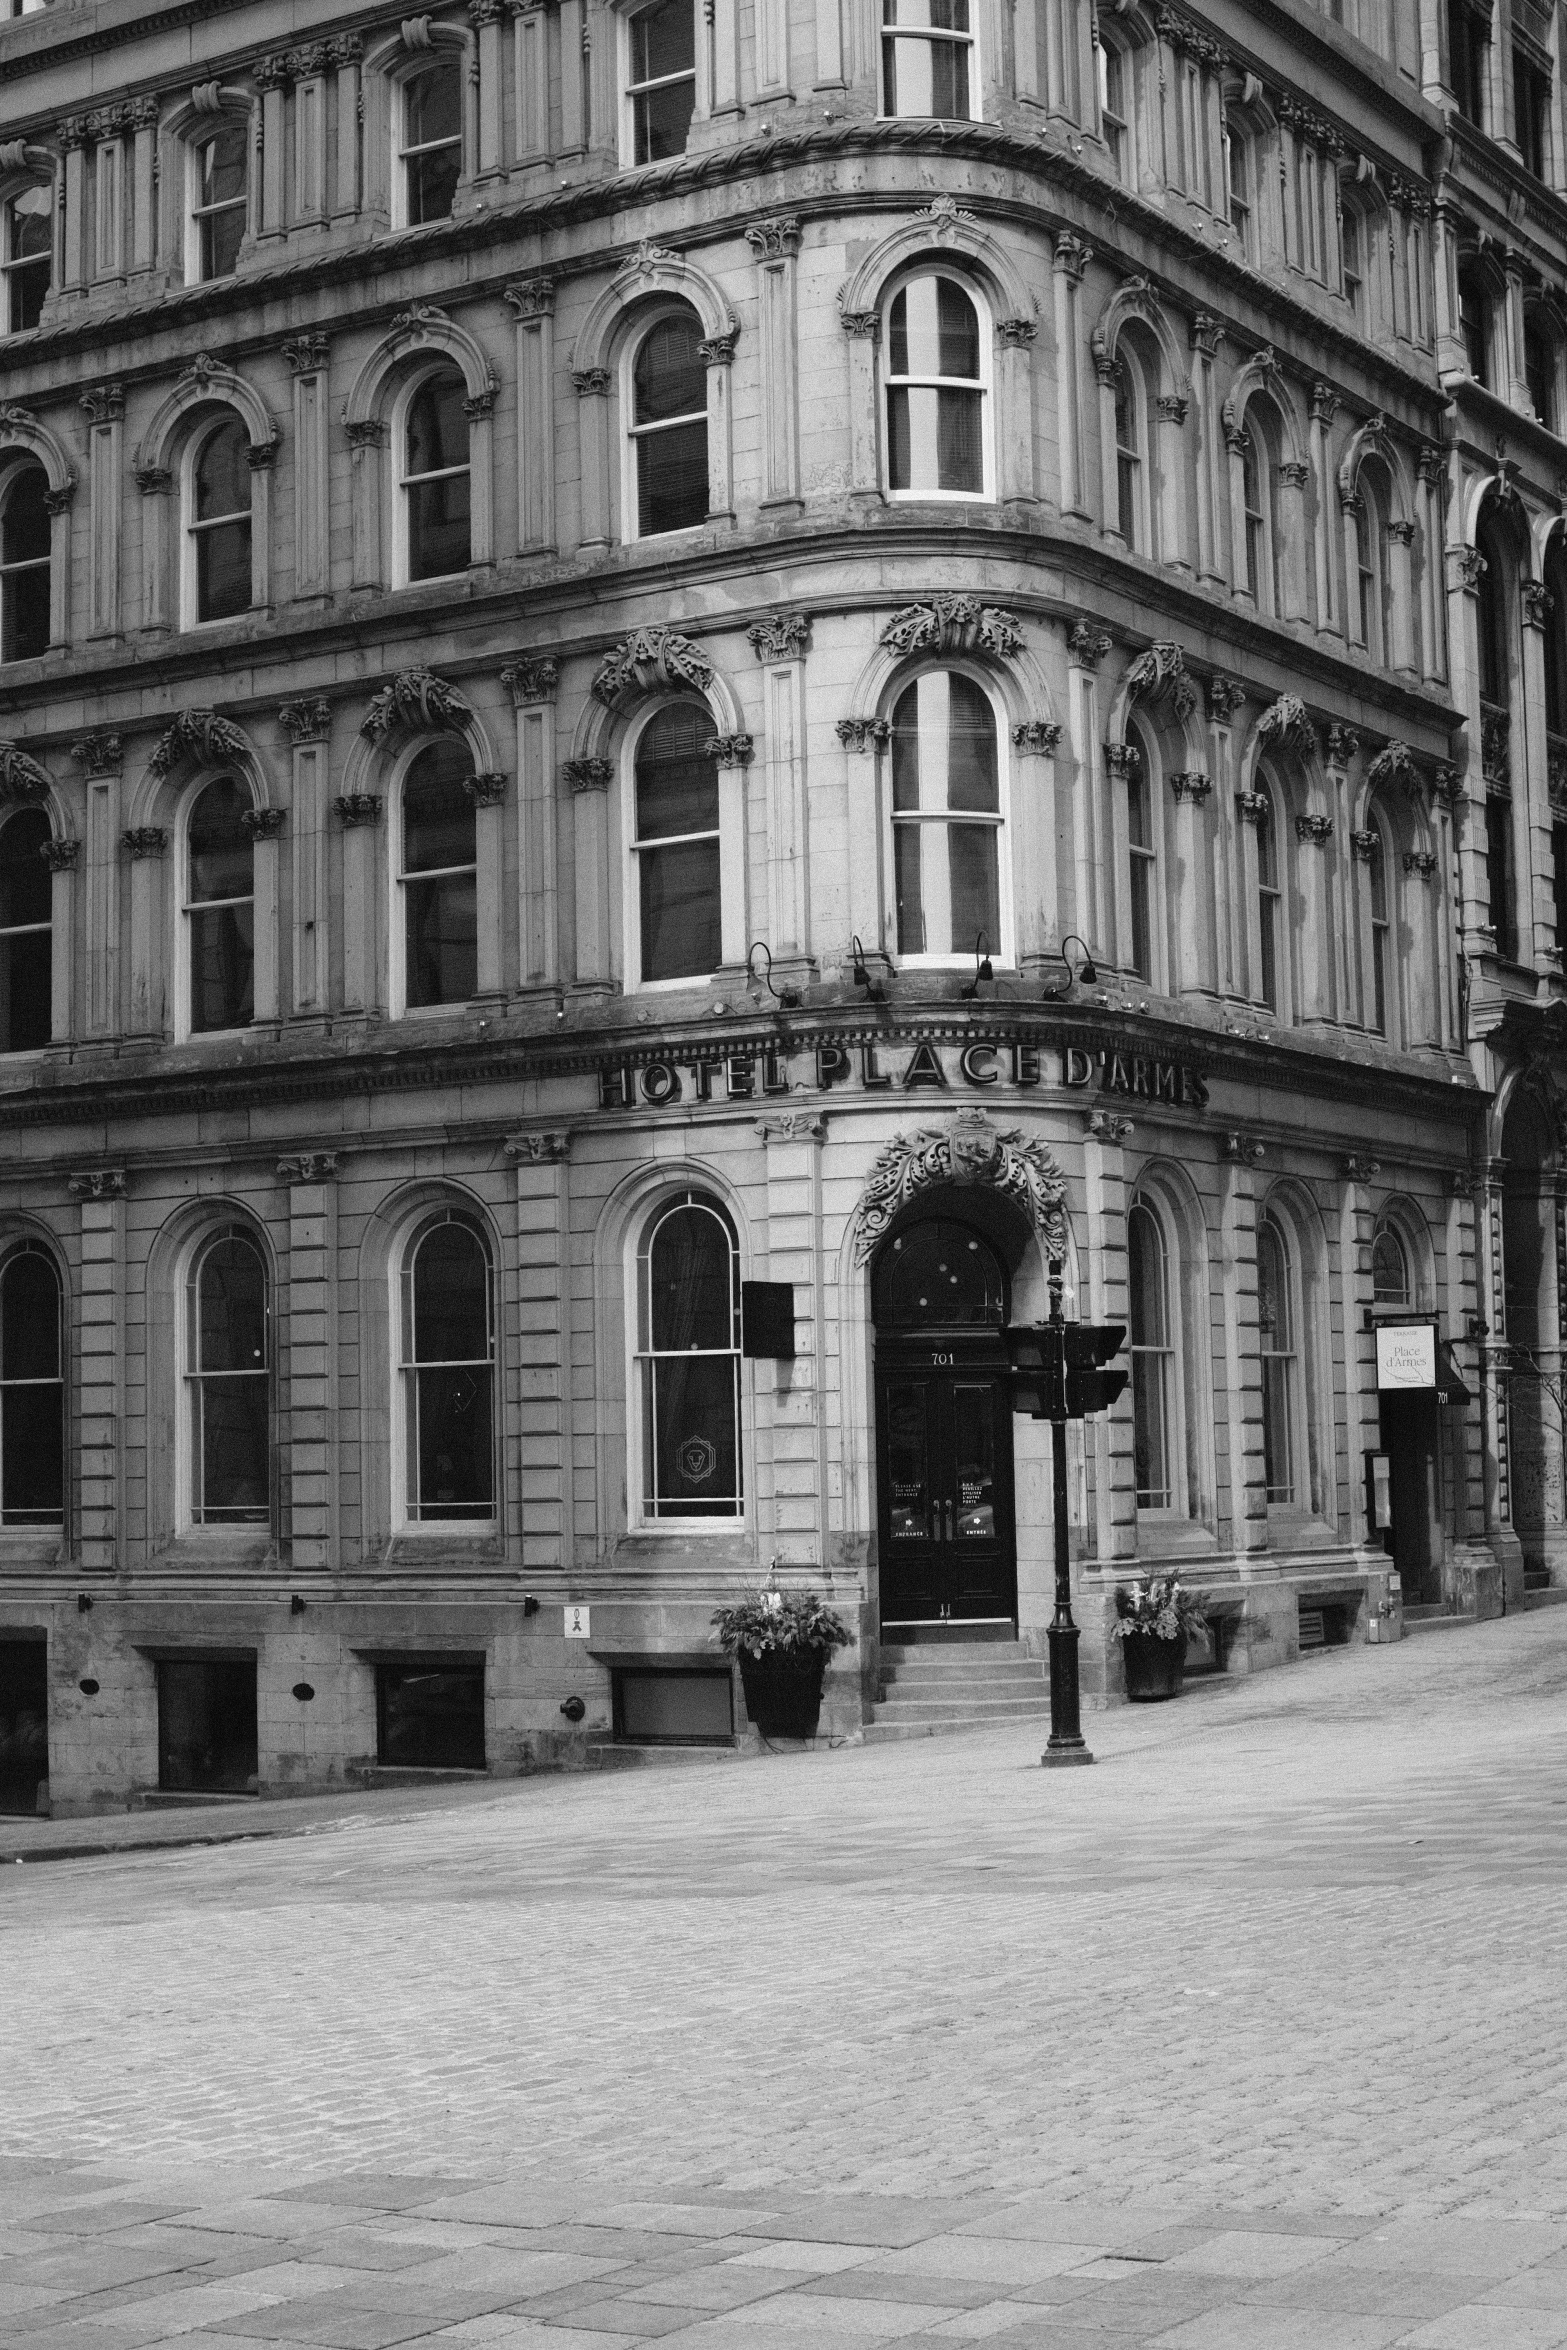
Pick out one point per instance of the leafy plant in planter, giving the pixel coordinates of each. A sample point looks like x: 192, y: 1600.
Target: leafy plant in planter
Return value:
x: 783, y: 1641
x: 1154, y: 1622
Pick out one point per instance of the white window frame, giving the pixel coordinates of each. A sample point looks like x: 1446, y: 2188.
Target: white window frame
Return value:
x: 397, y: 932
x: 1140, y: 449
x: 1173, y: 1356
x: 190, y: 458
x: 44, y: 1529
x: 1295, y: 1429
x: 632, y: 436
x: 402, y: 536
x: 29, y: 930
x: 1002, y: 951
x: 638, y: 1227
x: 984, y: 384
x: 397, y: 87
x: 1273, y: 824
x: 410, y: 1232
x: 10, y: 473
x: 200, y: 134
x: 1391, y: 1027
x: 1147, y: 856
x: 184, y: 1031
x: 970, y: 40
x: 731, y: 863
x: 186, y: 1379
x: 1122, y: 150
x: 11, y: 264
x: 630, y: 90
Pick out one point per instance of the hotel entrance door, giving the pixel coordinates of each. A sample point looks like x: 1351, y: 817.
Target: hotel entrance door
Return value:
x: 944, y: 1433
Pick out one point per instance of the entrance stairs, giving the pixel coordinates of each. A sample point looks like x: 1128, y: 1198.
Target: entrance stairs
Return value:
x: 927, y: 1689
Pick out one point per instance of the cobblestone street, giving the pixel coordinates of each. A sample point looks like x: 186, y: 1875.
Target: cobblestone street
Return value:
x: 1249, y: 2035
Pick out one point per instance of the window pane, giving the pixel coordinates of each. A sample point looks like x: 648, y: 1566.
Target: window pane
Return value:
x: 662, y: 120
x: 28, y: 219
x: 455, y: 1444
x: 1151, y: 1430
x: 221, y: 165
x: 1389, y: 1272
x: 432, y: 103
x: 672, y: 479
x: 692, y: 1427
x: 944, y: 746
x: 24, y: 522
x: 221, y: 236
x: 223, y: 571
x: 26, y: 993
x: 231, y: 1313
x: 235, y: 1450
x: 438, y: 533
x: 958, y: 326
x: 438, y: 424
x: 942, y: 1274
x: 222, y: 967
x: 960, y: 462
x: 663, y: 41
x: 976, y: 905
x: 1145, y: 1279
x: 451, y: 1297
x: 32, y: 1471
x: 219, y: 852
x: 443, y: 940
x: 432, y: 184
x: 24, y: 614
x: 682, y: 932
x: 29, y: 286
x: 689, y: 1282
x: 223, y: 473
x: 24, y: 877
x: 900, y: 439
x: 933, y: 330
x: 677, y: 782
x: 669, y: 377
x: 439, y: 825
x: 29, y: 1318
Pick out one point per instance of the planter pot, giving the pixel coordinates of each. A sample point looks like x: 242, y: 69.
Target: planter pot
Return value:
x: 1154, y: 1667
x: 783, y: 1691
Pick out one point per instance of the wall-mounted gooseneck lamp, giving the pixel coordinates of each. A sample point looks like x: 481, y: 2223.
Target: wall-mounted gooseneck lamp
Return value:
x: 788, y: 999
x: 1086, y: 971
x: 875, y: 991
x: 984, y: 969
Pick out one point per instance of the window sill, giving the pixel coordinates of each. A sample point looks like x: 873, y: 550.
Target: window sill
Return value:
x: 1293, y: 1529
x: 1167, y: 1534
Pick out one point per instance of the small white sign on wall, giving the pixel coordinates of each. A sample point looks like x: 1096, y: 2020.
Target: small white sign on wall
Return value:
x: 1406, y: 1356
x: 577, y: 1623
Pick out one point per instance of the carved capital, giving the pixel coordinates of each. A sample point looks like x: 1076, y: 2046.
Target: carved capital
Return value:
x: 306, y: 354
x: 864, y: 734
x: 782, y: 636
x: 776, y: 239
x: 1252, y: 806
x: 718, y: 350
x: 1358, y: 1169
x: 1324, y: 404
x: 358, y: 808
x: 1172, y: 407
x: 531, y: 297
x: 1536, y: 600
x: 104, y: 404
x: 1315, y: 830
x: 263, y: 823
x: 590, y: 383
x: 862, y: 326
x: 1191, y: 787
x: 308, y: 1167
x: 1343, y: 743
x: 1420, y: 862
x: 1364, y: 846
x: 479, y: 405
x: 588, y: 774
x: 1207, y: 333
x: 89, y: 1183
x: 365, y: 432
x: 153, y: 481
x: 1431, y: 465
x: 1225, y: 696
x: 538, y: 1150
x: 533, y: 680
x: 1121, y: 760
x: 1017, y: 334
x: 1039, y: 735
x: 1296, y: 476
x: 1245, y: 1149
x: 100, y: 753
x: 61, y: 854
x: 1105, y: 1126
x: 144, y: 840
x: 1072, y: 255
x: 730, y: 750
x: 793, y: 1126
x: 1087, y: 644
x: 307, y: 720
x: 486, y: 789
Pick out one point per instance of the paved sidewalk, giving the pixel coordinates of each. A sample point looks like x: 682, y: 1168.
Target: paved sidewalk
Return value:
x: 1251, y: 2035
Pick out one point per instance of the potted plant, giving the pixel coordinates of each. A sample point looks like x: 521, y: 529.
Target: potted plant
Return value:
x: 783, y: 1641
x: 1154, y: 1621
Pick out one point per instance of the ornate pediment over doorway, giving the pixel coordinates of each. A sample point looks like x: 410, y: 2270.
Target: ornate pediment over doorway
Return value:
x: 968, y: 1150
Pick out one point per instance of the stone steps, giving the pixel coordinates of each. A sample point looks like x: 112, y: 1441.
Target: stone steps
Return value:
x: 930, y: 1689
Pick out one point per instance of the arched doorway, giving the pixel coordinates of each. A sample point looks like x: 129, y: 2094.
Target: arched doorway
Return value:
x: 948, y: 1549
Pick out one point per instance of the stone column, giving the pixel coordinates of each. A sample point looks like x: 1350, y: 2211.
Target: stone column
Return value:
x: 1041, y: 915
x: 360, y: 816
x: 829, y: 45
x: 573, y: 79
x: 142, y: 242
x: 1207, y: 333
x: 791, y: 1435
x: 1190, y: 897
x: 870, y: 919
x: 589, y: 781
x: 1465, y: 569
x: 1321, y: 946
x: 307, y: 67
x: 1294, y: 525
x: 99, y: 1328
x: 1087, y: 646
x: 1071, y: 259
x: 479, y: 409
x: 540, y: 1343
x: 862, y: 328
x: 1445, y: 815
x: 1253, y: 810
x: 100, y: 755
x: 532, y: 685
x: 307, y: 360
x: 592, y: 388
x: 71, y: 138
x: 1108, y: 371
x: 310, y: 1475
x: 1531, y: 805
x: 1495, y: 1355
x: 776, y: 243
x: 531, y: 81
x: 61, y: 857
x: 1225, y: 696
x: 1352, y: 922
x: 1175, y: 532
x: 307, y: 723
x: 1015, y: 338
x: 486, y: 17
x: 1362, y: 1408
x: 488, y: 794
x: 104, y: 410
x: 1400, y: 557
x: 144, y: 845
x: 1324, y: 407
x: 1448, y: 227
x: 533, y: 305
x: 1108, y: 1437
x: 1121, y: 762
x: 271, y: 79
x: 366, y: 441
x: 344, y: 51
x: 783, y: 820
x: 263, y: 827
x: 1433, y: 614
x: 1248, y: 1490
x: 1516, y: 390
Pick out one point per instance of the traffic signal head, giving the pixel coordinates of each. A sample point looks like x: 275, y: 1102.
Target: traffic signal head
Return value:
x: 1034, y: 1351
x: 1089, y: 1387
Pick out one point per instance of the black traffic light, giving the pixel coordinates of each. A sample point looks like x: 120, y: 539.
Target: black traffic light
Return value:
x: 1038, y: 1379
x: 1089, y: 1387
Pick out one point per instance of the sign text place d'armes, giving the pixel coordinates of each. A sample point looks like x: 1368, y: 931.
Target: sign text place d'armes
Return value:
x: 747, y: 1075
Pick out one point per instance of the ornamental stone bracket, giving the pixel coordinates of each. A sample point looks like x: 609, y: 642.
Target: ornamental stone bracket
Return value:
x: 1285, y: 726
x: 1105, y: 1126
x: 99, y: 753
x: 1161, y: 673
x: 1364, y: 845
x: 1317, y: 830
x: 1343, y: 743
x: 864, y: 734
x: 953, y: 624
x: 144, y: 840
x: 90, y: 1183
x: 648, y: 661
x: 539, y: 1150
x: 1361, y: 1170
x: 1244, y: 1149
x: 1395, y: 763
x: 487, y: 789
x: 306, y: 721
x: 418, y: 702
x: 1191, y: 787
x: 1421, y: 862
x: 1040, y: 735
x: 308, y: 1167
x: 970, y: 1150
x: 198, y: 734
x: 262, y: 823
x: 531, y: 681
x: 21, y: 777
x: 782, y: 636
x: 731, y: 750
x: 61, y: 855
x: 793, y: 1126
x: 1225, y: 696
x: 1253, y: 806
x: 357, y: 807
x: 588, y: 774
x: 1087, y: 645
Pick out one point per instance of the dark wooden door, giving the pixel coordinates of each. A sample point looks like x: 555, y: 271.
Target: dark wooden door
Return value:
x: 1410, y: 1438
x: 944, y: 1444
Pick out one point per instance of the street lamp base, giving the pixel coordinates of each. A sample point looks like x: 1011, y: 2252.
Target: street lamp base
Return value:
x: 1056, y: 1756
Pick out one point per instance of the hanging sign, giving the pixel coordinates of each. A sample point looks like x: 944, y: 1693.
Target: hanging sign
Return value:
x: 1406, y: 1357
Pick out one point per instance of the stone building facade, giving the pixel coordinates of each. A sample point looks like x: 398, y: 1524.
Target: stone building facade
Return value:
x: 645, y: 651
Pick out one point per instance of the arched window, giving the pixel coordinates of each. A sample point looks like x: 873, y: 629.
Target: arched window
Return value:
x: 660, y: 80
x: 217, y: 522
x: 32, y: 1391
x: 1270, y: 902
x: 1381, y: 931
x: 1260, y: 501
x: 24, y: 563
x: 220, y: 912
x: 25, y: 938
x: 1142, y: 861
x: 228, y: 1379
x: 936, y: 389
x: 439, y: 877
x: 1353, y: 240
x: 939, y: 1274
x: 946, y: 818
x: 1491, y: 622
x: 1238, y: 182
x: 26, y: 258
x: 668, y: 429
x: 676, y: 846
x: 434, y: 487
x: 448, y: 1373
x: 1539, y: 367
x: 1279, y: 1319
x: 688, y: 1362
x: 1154, y: 1368
x: 429, y: 139
x: 1370, y: 587
x: 928, y: 66
x: 1390, y: 1283
x: 1117, y: 101
x: 1131, y: 453
x: 218, y: 200
x: 1474, y: 322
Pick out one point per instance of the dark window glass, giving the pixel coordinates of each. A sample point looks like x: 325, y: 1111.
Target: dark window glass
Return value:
x: 220, y: 522
x: 448, y: 1374
x: 688, y: 1350
x: 677, y: 845
x: 220, y: 908
x: 926, y: 49
x: 1490, y: 603
x: 1531, y: 111
x: 940, y: 1274
x: 1269, y: 899
x: 221, y: 203
x: 935, y: 399
x: 1559, y: 883
x: 430, y: 1712
x: 26, y: 259
x: 231, y: 1384
x: 206, y: 1727
x: 440, y: 878
x: 1276, y: 1316
x: 946, y: 816
x: 669, y: 425
x: 24, y: 563
x: 436, y: 479
x: 26, y: 894
x: 1499, y: 874
x: 1153, y: 1358
x: 1380, y: 935
x: 1474, y: 323
x: 1389, y: 1269
x: 432, y: 141
x: 24, y: 1718
x: 1141, y: 858
x: 32, y: 1393
x: 1539, y: 366
x: 663, y: 79
x: 1466, y: 48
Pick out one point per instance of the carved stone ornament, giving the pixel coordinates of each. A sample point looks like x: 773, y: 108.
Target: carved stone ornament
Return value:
x: 1191, y: 787
x: 1285, y: 726
x: 1315, y: 830
x: 1016, y: 334
x: 1361, y: 1170
x: 862, y: 326
x: 306, y: 354
x: 307, y: 721
x: 861, y: 734
x: 198, y: 734
x: 60, y: 855
x: 648, y: 660
x: 307, y: 1167
x: 1421, y: 862
x: 21, y: 777
x: 1469, y: 567
x: 1243, y: 1148
x: 1036, y: 734
x: 731, y: 750
x: 531, y: 297
x: 262, y: 823
x: 1086, y: 644
x: 145, y: 840
x: 1324, y: 403
x: 486, y: 789
x: 1536, y: 600
x: 1343, y: 743
x: 357, y: 807
x: 1225, y: 696
x: 1072, y: 255
x: 793, y: 1126
x: 365, y: 432
x: 1394, y: 763
x: 100, y: 753
x: 1162, y: 671
x: 1253, y: 806
x: 782, y: 636
x: 1556, y: 775
x: 97, y: 1183
x: 588, y: 774
x: 153, y: 481
x: 776, y: 239
x: 1105, y: 1126
x: 104, y: 404
x: 417, y: 701
x: 531, y: 681
x: 969, y: 1150
x: 1122, y: 759
x: 590, y: 383
x: 953, y: 624
x: 538, y: 1150
x: 1364, y: 845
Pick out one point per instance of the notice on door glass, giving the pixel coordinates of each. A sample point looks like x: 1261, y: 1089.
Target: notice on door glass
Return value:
x: 1406, y: 1356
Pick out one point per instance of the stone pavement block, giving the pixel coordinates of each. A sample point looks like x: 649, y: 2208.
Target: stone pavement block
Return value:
x: 510, y: 2274
x: 284, y: 2217
x: 101, y: 2218
x: 1477, y: 2327
x: 365, y: 2247
x: 167, y: 2315
x: 637, y: 2321
x: 1292, y: 2329
x: 790, y: 2252
x: 1052, y: 2222
x: 333, y: 2323
x: 725, y: 2287
x: 857, y: 2320
x: 689, y: 2219
x: 1532, y: 2288
x: 1364, y: 2292
x: 986, y: 2260
x: 882, y: 2284
x: 996, y: 2320
x: 1237, y: 2254
x: 1478, y: 2248
x: 377, y: 2191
